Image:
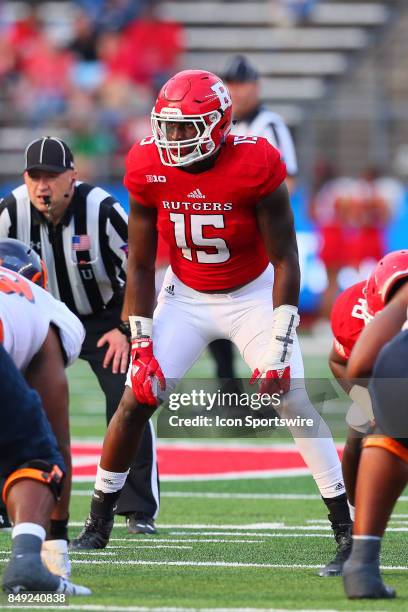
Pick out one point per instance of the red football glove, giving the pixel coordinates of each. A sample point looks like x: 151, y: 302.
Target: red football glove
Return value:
x: 275, y: 381
x: 145, y: 368
x: 273, y: 366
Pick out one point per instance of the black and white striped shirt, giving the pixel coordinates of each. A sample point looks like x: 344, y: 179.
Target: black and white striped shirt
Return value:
x: 85, y: 254
x: 269, y: 125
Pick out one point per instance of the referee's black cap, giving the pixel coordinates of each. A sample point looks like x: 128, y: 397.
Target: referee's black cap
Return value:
x: 240, y: 70
x: 50, y: 154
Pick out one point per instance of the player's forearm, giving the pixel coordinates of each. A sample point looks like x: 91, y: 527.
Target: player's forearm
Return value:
x: 340, y: 373
x: 286, y: 285
x: 140, y: 292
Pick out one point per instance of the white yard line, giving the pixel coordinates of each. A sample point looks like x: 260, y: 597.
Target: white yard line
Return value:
x: 101, y: 608
x: 224, y: 564
x: 250, y: 527
x: 214, y: 495
x: 181, y: 494
x: 131, y: 541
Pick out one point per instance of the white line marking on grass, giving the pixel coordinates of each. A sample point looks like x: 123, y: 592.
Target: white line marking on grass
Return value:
x: 232, y: 541
x: 188, y: 540
x: 255, y: 535
x: 160, y: 546
x: 181, y: 494
x: 250, y: 527
x: 99, y: 608
x: 88, y: 552
x: 226, y: 564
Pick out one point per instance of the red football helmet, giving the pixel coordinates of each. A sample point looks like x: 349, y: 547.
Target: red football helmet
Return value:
x: 199, y: 98
x: 389, y: 270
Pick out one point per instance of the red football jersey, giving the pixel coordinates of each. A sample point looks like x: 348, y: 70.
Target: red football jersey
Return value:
x: 209, y: 219
x: 347, y: 319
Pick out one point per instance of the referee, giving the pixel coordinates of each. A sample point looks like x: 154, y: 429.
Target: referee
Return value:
x: 80, y: 232
x: 253, y: 118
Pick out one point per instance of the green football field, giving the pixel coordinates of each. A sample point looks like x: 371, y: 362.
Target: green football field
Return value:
x: 222, y: 544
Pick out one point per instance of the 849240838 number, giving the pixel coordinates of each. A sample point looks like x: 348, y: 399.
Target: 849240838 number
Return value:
x: 37, y: 598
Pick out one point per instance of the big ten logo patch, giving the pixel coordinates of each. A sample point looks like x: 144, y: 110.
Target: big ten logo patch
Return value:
x: 155, y: 178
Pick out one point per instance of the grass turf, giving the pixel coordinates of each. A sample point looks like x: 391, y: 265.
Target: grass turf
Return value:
x: 217, y: 546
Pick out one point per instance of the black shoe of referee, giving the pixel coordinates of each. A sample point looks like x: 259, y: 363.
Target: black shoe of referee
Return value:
x: 95, y: 534
x: 139, y: 523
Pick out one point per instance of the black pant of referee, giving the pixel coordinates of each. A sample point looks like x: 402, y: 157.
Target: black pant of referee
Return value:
x: 140, y: 496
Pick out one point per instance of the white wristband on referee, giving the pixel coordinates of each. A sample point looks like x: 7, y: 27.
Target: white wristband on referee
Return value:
x: 140, y: 327
x: 285, y: 321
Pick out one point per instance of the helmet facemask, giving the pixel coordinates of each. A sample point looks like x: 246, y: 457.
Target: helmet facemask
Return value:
x: 173, y: 152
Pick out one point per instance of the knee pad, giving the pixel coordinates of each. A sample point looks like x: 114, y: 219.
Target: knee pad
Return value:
x: 39, y: 470
x: 389, y: 444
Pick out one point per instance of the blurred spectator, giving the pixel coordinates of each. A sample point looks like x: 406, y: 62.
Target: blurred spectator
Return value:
x: 26, y: 30
x: 46, y: 73
x: 297, y: 12
x: 155, y: 46
x: 101, y: 85
x: 83, y: 43
x: 111, y: 14
x: 351, y: 216
x: 8, y: 60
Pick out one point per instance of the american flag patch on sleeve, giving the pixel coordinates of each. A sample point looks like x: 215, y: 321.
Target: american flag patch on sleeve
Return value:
x: 81, y: 242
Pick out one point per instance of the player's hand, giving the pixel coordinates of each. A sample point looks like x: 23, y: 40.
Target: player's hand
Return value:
x: 117, y: 352
x: 274, y: 368
x: 273, y: 381
x: 145, y: 368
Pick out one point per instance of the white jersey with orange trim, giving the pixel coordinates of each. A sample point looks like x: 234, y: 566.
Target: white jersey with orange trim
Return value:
x: 26, y: 312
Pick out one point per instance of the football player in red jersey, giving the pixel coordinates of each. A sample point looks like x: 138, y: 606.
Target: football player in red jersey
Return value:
x: 221, y: 204
x: 352, y: 310
x: 382, y: 353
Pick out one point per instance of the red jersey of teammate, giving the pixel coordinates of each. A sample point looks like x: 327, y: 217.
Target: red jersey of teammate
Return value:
x: 348, y: 318
x: 208, y: 219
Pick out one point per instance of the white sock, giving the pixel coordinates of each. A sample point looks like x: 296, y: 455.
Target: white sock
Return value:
x: 352, y: 510
x: 321, y: 458
x: 315, y: 444
x: 60, y: 546
x: 28, y: 528
x: 110, y: 482
x: 366, y: 537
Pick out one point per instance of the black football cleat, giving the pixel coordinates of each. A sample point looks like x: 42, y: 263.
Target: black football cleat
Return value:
x: 342, y: 535
x: 95, y: 534
x: 138, y: 523
x: 363, y: 581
